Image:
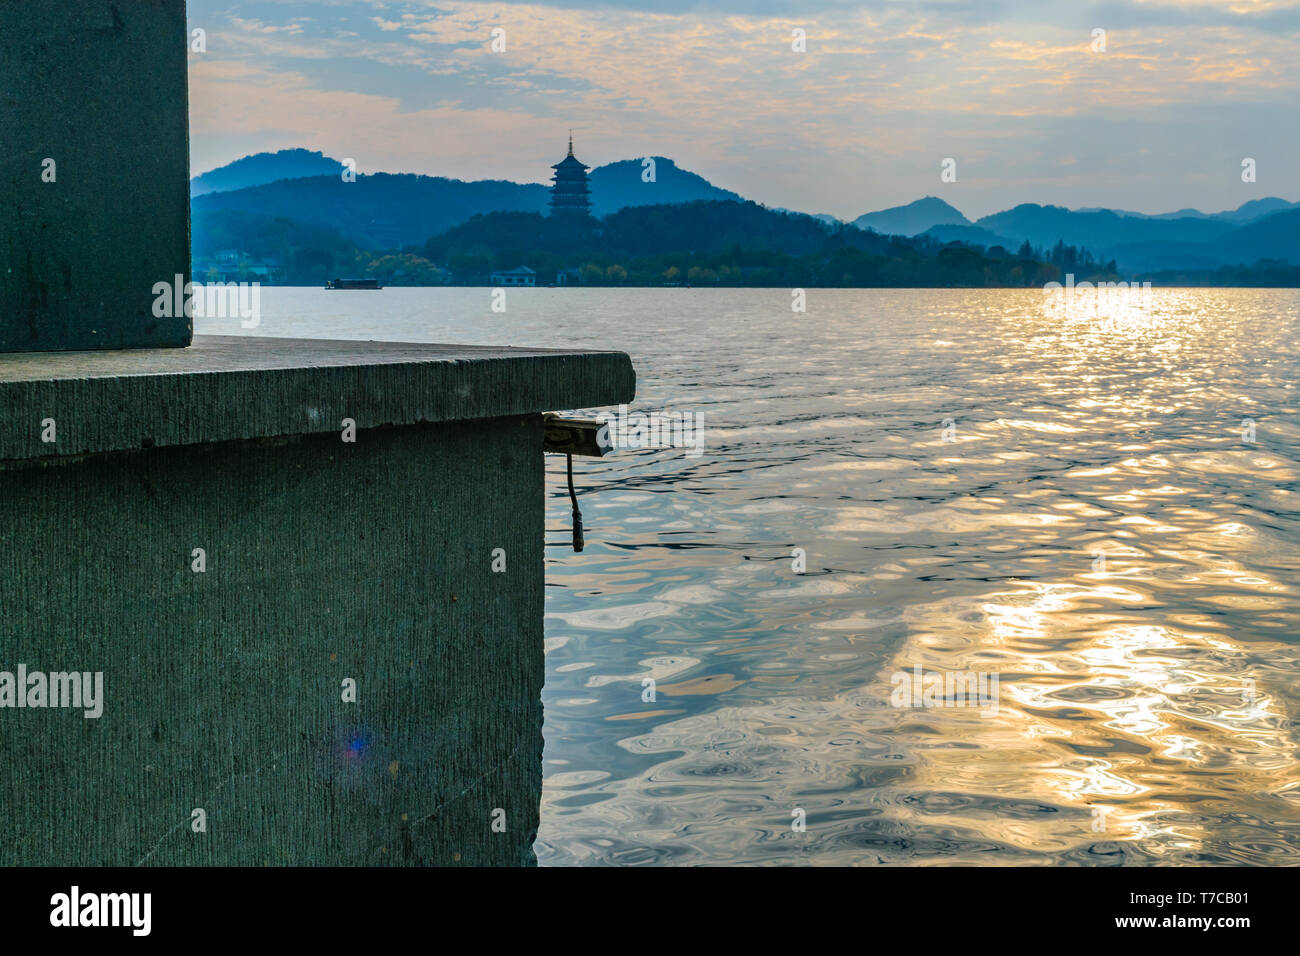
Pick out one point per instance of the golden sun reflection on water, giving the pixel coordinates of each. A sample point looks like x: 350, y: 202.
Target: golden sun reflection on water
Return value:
x: 1151, y: 719
x: 1130, y: 724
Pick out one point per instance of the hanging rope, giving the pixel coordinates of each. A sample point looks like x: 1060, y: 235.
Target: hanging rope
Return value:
x: 578, y: 541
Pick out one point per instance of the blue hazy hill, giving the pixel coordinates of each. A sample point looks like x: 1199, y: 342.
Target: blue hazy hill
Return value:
x: 1149, y: 243
x: 377, y: 211
x: 265, y: 168
x: 619, y: 185
x: 913, y: 218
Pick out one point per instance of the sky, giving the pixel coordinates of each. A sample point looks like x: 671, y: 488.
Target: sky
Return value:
x: 1019, y: 94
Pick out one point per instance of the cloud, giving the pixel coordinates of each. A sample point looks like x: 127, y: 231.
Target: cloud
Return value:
x: 861, y: 120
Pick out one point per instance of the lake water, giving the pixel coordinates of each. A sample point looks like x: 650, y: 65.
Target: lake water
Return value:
x: 1092, y: 525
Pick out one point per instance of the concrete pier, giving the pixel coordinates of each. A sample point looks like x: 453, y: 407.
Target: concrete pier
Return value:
x: 351, y: 673
x: 263, y: 601
x: 94, y: 173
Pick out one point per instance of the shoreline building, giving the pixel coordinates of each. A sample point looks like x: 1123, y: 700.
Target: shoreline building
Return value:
x: 570, y: 193
x: 519, y: 275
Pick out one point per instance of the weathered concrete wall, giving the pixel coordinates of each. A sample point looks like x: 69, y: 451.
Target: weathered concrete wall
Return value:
x: 100, y: 89
x: 408, y: 562
x: 222, y: 690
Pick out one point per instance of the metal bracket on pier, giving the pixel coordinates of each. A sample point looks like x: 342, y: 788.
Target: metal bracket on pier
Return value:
x: 569, y: 437
x: 573, y: 436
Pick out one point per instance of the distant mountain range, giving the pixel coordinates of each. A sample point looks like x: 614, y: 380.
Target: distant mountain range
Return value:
x: 1253, y: 209
x: 1188, y: 239
x: 390, y: 211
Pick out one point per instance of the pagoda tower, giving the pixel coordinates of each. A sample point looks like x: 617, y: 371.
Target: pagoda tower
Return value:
x: 569, y: 194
